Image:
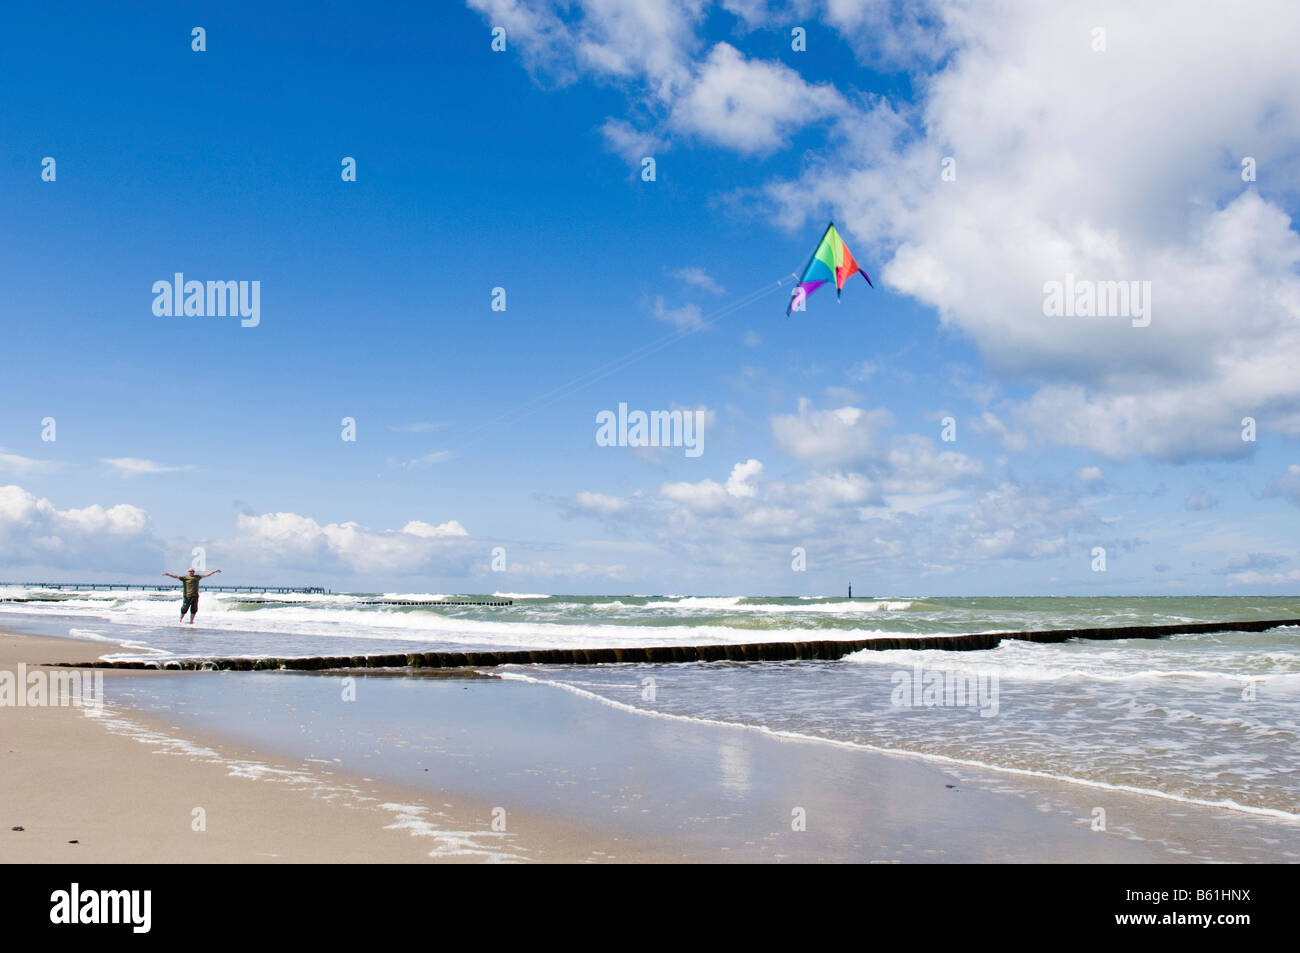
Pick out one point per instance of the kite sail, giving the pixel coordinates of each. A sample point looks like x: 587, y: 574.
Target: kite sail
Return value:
x: 830, y: 261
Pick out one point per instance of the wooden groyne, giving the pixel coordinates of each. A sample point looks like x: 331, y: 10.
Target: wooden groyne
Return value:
x: 738, y: 652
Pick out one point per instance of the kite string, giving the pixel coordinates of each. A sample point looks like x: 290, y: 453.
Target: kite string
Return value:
x: 619, y: 363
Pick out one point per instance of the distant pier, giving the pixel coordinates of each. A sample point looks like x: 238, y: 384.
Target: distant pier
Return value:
x: 258, y: 590
x: 162, y: 587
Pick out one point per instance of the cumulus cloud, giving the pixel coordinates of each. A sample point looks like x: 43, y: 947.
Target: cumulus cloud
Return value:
x: 300, y: 542
x: 1068, y: 161
x: 750, y: 106
x: 830, y: 437
x: 1014, y: 521
x: 989, y: 422
x: 429, y: 531
x: 851, y: 438
x: 34, y: 532
x: 653, y: 51
x: 853, y: 520
x: 1040, y: 194
x: 738, y: 484
x: 912, y: 464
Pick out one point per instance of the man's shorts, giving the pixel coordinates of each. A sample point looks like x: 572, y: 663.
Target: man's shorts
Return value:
x: 190, y: 604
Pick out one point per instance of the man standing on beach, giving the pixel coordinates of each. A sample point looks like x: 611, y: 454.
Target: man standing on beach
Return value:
x: 191, y: 583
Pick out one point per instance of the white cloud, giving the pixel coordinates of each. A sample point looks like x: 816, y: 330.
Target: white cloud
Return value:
x: 850, y: 437
x: 601, y: 503
x: 738, y: 484
x: 535, y: 29
x: 911, y: 464
x: 652, y: 50
x: 752, y: 13
x: 632, y: 144
x: 1253, y: 578
x: 418, y: 427
x: 751, y: 106
x: 34, y: 532
x: 24, y: 466
x: 1014, y: 521
x: 835, y: 489
x: 135, y: 466
x: 1122, y: 165
x: 830, y: 437
x: 862, y: 371
x: 704, y: 496
x: 290, y: 539
x: 1287, y: 485
x: 427, y: 460
x: 989, y: 422
x: 429, y: 531
x: 699, y: 278
x: 647, y: 44
x: 687, y: 317
x: 1091, y: 475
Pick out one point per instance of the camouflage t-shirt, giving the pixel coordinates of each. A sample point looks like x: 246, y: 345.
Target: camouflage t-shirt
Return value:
x: 191, y: 584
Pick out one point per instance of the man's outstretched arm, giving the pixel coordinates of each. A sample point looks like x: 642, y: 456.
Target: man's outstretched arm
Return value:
x: 172, y: 574
x: 207, y: 574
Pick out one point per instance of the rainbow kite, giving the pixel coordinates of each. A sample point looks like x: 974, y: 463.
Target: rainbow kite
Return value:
x: 831, y: 260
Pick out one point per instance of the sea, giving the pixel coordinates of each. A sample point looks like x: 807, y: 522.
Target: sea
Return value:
x: 1211, y: 719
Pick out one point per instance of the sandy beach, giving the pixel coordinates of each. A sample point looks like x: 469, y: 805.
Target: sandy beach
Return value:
x: 579, y: 781
x: 85, y: 791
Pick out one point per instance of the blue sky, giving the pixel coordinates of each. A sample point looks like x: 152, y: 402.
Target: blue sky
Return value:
x: 521, y: 169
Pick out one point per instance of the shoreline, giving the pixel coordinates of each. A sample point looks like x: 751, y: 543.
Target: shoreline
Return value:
x: 110, y: 782
x: 123, y: 787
